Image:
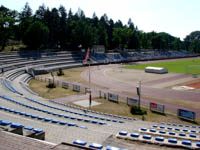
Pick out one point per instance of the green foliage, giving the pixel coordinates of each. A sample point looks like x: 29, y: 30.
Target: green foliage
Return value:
x: 67, y: 30
x: 51, y: 85
x: 135, y: 110
x: 60, y: 72
x: 7, y: 21
x: 36, y: 35
x: 179, y: 66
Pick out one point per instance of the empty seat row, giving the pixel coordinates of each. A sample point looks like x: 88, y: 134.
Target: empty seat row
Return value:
x: 159, y: 140
x: 181, y: 135
x: 179, y: 125
x: 76, y: 113
x: 5, y: 123
x: 100, y: 113
x: 32, y: 116
x: 8, y: 85
x: 28, y: 89
x: 95, y: 145
x: 51, y: 113
x: 176, y: 129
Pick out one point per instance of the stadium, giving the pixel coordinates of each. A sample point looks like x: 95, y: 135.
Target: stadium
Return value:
x: 75, y: 121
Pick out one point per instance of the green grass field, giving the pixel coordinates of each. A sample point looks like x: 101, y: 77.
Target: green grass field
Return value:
x: 189, y: 66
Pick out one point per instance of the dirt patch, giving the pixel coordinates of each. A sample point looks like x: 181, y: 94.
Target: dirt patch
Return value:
x: 194, y: 85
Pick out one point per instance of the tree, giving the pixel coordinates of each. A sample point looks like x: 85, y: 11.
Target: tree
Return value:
x: 36, y: 35
x: 7, y: 21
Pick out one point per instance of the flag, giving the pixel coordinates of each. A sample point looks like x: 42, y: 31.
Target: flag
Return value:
x: 87, y: 56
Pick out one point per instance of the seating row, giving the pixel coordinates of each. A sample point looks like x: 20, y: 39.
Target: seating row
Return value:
x: 180, y: 125
x: 20, y: 129
x: 160, y: 140
x: 51, y: 113
x: 8, y: 85
x: 95, y: 145
x: 33, y: 116
x: 28, y: 89
x: 180, y: 135
x: 176, y: 129
x: 76, y: 113
x: 100, y: 113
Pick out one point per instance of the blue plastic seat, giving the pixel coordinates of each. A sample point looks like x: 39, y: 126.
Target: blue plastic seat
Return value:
x: 172, y: 133
x: 162, y: 132
x: 86, y: 120
x: 34, y: 116
x: 172, y: 140
x: 28, y: 128
x: 94, y: 121
x: 114, y: 120
x: 37, y: 130
x: 96, y: 146
x: 22, y: 113
x: 192, y: 135
x: 147, y: 137
x: 177, y: 129
x: 27, y: 115
x: 71, y: 124
x: 79, y: 142
x: 123, y: 133
x: 185, y: 130
x: 186, y: 142
x: 73, y: 118
x: 135, y: 135
x: 47, y: 119
x: 198, y: 144
x: 182, y: 134
x: 54, y: 121
x: 155, y: 126
x: 143, y: 129
x: 121, y: 121
x: 63, y: 122
x: 112, y: 148
x: 152, y: 130
x: 16, y: 125
x: 108, y: 119
x: 5, y: 123
x: 102, y: 123
x: 169, y: 128
x: 193, y: 131
x: 65, y: 116
x: 79, y: 119
x: 162, y: 127
x: 83, y: 127
x: 60, y: 115
x: 16, y: 112
x: 159, y: 138
x: 40, y: 118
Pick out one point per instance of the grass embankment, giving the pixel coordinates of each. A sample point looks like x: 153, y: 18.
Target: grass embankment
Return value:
x: 124, y: 110
x: 49, y: 93
x: 189, y: 66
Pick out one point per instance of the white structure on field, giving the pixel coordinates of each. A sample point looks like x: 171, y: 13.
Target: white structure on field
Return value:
x: 158, y: 70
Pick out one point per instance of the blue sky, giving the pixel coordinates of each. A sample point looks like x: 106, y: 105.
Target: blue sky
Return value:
x: 176, y: 17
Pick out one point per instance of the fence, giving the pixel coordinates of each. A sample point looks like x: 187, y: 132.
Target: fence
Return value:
x: 109, y: 95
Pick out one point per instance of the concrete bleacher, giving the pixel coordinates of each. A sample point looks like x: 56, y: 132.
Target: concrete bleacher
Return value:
x: 60, y: 122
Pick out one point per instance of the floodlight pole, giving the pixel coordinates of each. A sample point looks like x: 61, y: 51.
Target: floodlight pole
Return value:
x: 139, y: 93
x: 90, y: 96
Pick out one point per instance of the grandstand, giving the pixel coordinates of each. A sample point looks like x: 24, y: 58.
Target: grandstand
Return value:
x: 58, y: 123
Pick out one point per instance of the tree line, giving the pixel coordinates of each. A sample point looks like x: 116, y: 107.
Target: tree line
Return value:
x: 59, y: 28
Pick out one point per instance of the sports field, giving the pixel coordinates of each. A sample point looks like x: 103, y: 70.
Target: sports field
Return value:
x: 189, y: 66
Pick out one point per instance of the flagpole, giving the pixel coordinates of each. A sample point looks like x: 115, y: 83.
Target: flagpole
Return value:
x: 90, y: 96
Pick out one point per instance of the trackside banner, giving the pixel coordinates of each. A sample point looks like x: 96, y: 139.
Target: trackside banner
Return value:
x: 186, y: 114
x: 157, y: 107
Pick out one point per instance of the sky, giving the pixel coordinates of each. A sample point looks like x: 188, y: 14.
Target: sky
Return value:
x: 176, y: 17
